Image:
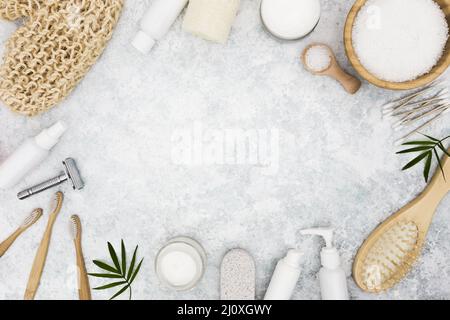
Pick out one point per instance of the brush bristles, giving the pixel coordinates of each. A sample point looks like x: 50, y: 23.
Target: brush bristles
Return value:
x: 32, y: 218
x: 391, y: 257
x: 75, y: 226
x: 56, y: 201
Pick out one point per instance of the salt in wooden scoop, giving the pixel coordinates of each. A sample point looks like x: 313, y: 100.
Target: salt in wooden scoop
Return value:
x: 320, y: 60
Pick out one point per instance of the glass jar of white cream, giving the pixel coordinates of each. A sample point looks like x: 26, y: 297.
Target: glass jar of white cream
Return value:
x: 181, y: 263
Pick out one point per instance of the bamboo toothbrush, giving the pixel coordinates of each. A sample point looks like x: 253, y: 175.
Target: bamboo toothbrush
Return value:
x: 84, y: 290
x: 389, y: 252
x: 41, y: 255
x: 28, y: 222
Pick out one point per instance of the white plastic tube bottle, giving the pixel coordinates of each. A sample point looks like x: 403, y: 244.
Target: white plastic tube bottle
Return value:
x: 285, y: 277
x: 30, y: 154
x: 156, y: 22
x: 333, y: 282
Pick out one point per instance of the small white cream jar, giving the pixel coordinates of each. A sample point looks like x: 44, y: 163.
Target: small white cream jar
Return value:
x: 181, y: 263
x: 290, y: 19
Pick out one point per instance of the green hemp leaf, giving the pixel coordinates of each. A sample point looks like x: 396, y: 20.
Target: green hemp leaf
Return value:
x: 124, y: 275
x: 426, y: 150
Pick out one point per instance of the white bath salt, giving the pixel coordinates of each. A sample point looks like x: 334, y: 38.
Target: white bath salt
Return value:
x: 400, y: 40
x: 318, y: 58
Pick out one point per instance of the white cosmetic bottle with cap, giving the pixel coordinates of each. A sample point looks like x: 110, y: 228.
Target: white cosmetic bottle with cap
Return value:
x: 285, y: 277
x: 333, y: 282
x: 31, y: 153
x: 156, y: 22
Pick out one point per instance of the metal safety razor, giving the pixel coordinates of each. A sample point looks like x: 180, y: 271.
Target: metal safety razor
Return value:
x: 71, y: 173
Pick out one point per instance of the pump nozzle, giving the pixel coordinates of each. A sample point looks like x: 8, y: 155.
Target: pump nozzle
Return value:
x: 329, y: 255
x: 326, y: 233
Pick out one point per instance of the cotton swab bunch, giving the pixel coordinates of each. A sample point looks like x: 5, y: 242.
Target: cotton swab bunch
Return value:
x: 412, y: 117
x: 426, y: 124
x: 412, y: 107
x: 391, y: 107
x: 421, y: 108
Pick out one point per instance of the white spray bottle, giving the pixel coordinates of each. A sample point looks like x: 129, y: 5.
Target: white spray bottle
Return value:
x: 29, y: 155
x: 333, y: 282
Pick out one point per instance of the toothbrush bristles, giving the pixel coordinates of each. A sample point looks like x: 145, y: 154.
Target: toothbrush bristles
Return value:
x: 32, y: 218
x: 75, y: 226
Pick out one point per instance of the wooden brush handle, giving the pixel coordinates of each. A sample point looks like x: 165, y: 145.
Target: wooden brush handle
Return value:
x: 439, y: 185
x: 4, y: 246
x: 39, y: 262
x: 350, y: 83
x: 84, y: 290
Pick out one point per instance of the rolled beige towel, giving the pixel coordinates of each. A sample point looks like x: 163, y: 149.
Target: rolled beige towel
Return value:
x: 211, y: 19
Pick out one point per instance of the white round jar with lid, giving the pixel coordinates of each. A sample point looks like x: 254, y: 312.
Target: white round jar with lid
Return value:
x: 181, y: 263
x: 290, y: 19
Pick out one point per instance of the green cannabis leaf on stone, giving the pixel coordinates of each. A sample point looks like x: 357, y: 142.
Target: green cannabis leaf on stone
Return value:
x: 122, y: 274
x: 426, y: 149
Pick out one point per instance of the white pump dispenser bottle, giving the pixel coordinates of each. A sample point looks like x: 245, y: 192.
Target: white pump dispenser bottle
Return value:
x: 285, y: 277
x: 333, y: 282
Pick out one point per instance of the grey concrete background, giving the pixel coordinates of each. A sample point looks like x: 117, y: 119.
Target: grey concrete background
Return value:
x: 337, y: 162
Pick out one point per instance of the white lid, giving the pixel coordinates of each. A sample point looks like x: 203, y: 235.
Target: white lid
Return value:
x: 49, y: 137
x: 180, y: 265
x: 142, y: 42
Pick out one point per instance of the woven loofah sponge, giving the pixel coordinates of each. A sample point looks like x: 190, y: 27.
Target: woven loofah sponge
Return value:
x: 58, y: 43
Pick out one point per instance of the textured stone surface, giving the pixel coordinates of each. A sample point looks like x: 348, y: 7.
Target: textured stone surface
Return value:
x: 337, y: 162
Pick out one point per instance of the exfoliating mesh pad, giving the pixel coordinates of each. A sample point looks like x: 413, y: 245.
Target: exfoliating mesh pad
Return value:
x: 53, y: 50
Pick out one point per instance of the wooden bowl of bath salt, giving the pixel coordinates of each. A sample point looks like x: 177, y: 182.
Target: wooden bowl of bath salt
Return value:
x: 423, y: 78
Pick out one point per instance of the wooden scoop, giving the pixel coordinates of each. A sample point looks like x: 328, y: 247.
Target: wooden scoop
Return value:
x: 350, y: 83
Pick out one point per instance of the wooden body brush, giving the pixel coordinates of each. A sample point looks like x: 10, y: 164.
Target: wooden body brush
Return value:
x: 389, y: 252
x: 29, y: 221
x: 41, y: 254
x: 84, y: 290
